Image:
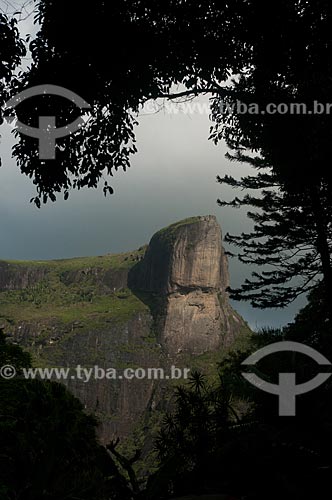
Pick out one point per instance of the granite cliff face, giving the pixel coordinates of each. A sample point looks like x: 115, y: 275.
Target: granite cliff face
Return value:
x: 185, y: 256
x: 13, y: 277
x: 187, y: 266
x: 161, y: 305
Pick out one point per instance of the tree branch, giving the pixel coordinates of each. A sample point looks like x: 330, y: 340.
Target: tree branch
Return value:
x: 193, y: 93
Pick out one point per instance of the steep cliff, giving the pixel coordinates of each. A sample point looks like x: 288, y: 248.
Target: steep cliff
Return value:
x: 187, y: 255
x: 160, y: 305
x: 186, y: 265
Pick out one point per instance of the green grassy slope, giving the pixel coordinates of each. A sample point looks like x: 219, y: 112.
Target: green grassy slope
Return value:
x: 71, y: 290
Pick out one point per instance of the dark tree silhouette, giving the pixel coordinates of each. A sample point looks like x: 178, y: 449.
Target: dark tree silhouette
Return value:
x: 138, y: 50
x: 206, y: 447
x: 191, y: 436
x: 11, y: 50
x: 289, y: 67
x: 48, y: 444
x: 11, y: 354
x: 285, y: 239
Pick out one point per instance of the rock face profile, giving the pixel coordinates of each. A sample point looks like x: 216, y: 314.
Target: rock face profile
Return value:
x: 164, y: 304
x: 187, y: 255
x: 187, y: 266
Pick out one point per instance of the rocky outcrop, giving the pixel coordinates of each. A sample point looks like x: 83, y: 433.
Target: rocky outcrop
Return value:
x: 17, y: 277
x: 186, y: 265
x: 185, y: 256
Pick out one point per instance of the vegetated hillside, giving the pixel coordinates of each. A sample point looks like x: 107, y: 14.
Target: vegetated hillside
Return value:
x: 89, y: 288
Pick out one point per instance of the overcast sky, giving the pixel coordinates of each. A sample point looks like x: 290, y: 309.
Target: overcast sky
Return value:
x: 172, y: 177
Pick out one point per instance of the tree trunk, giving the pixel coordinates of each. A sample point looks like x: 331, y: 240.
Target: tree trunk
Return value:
x: 323, y: 248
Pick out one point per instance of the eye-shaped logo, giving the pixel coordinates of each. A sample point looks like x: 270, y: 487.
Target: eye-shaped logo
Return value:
x: 287, y: 390
x: 47, y: 132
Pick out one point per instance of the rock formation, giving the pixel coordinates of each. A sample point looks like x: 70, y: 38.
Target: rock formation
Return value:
x: 187, y: 266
